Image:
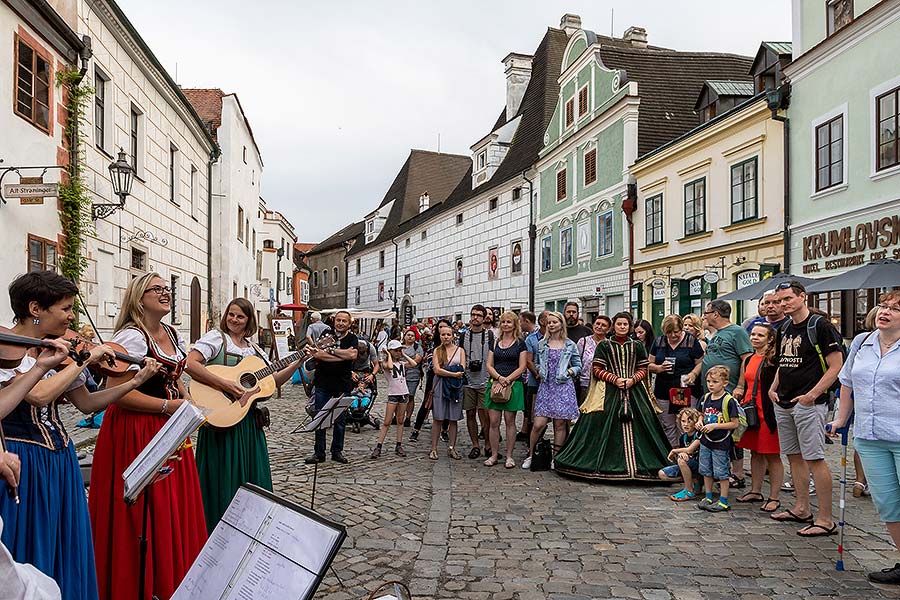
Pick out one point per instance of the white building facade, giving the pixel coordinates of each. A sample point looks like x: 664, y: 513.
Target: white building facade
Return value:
x: 236, y: 217
x: 35, y: 47
x: 164, y: 225
x: 274, y: 264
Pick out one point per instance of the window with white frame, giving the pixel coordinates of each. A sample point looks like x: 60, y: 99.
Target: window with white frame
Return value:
x: 134, y: 138
x: 516, y: 193
x: 840, y: 14
x: 887, y: 120
x: 459, y: 219
x: 654, y: 219
x: 335, y: 276
x: 493, y: 203
x: 546, y: 254
x: 324, y: 277
x: 482, y: 159
x: 358, y: 267
x: 100, y: 100
x: 744, y: 190
x: 590, y: 166
x: 381, y: 259
x: 173, y: 179
x: 695, y: 207
x: 605, y: 234
x: 565, y: 246
x: 570, y: 111
x: 583, y: 101
x: 194, y: 204
x: 830, y: 153
x: 240, y: 224
x: 561, y: 185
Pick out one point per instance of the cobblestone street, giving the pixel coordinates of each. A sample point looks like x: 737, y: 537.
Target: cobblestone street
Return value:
x: 457, y: 529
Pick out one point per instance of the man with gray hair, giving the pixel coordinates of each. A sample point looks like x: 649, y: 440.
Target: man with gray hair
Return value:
x: 316, y: 327
x: 772, y: 313
x: 728, y: 347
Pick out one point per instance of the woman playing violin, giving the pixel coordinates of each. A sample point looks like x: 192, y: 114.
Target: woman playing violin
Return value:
x: 227, y: 458
x: 176, y: 526
x: 50, y: 527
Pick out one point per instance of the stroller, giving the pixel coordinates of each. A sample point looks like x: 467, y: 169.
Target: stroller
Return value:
x: 364, y: 394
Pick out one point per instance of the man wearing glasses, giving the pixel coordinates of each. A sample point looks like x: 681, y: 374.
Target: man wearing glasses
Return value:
x: 476, y: 343
x: 728, y: 347
x: 806, y: 374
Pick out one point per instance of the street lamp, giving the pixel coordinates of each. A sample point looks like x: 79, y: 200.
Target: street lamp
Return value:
x: 122, y: 177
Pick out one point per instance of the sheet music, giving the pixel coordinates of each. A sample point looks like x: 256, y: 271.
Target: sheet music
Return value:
x: 178, y: 427
x: 328, y: 413
x: 262, y: 549
x: 268, y: 575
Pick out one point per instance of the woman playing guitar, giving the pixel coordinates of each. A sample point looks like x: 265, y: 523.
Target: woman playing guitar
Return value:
x: 50, y: 526
x: 228, y: 457
x: 176, y: 530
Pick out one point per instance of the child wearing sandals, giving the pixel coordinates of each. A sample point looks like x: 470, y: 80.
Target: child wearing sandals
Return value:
x: 395, y: 364
x: 687, y: 467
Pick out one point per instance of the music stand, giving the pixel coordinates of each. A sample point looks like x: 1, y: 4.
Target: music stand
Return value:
x: 161, y: 474
x: 324, y: 419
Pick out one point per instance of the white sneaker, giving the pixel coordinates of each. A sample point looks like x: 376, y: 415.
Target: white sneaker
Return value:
x: 526, y: 464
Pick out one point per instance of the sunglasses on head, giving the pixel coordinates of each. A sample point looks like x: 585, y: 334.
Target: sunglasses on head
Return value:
x: 784, y: 285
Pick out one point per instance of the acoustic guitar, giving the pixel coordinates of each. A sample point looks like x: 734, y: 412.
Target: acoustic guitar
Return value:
x: 252, y: 374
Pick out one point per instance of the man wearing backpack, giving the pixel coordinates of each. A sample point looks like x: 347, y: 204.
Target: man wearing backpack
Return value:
x: 809, y: 356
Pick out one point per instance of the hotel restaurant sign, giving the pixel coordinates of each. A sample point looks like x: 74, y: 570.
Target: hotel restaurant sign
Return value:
x: 852, y: 245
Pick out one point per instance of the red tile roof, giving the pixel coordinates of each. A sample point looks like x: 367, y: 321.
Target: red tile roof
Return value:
x: 208, y: 104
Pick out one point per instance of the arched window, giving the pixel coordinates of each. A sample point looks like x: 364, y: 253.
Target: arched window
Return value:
x: 324, y: 277
x: 335, y: 277
x: 315, y: 279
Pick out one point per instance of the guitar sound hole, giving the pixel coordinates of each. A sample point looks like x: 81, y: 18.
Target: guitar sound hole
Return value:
x: 248, y: 381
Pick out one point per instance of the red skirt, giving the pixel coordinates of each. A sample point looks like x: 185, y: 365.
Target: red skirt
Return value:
x: 176, y: 526
x: 761, y: 439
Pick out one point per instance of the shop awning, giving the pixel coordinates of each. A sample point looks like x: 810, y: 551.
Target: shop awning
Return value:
x: 292, y: 306
x: 884, y: 273
x: 756, y: 290
x: 361, y: 314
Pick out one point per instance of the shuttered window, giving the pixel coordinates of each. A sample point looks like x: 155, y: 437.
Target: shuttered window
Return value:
x: 570, y: 111
x: 590, y: 167
x: 561, y: 185
x: 582, y: 101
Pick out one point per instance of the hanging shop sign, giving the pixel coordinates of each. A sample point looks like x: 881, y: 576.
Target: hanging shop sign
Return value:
x: 711, y: 277
x: 658, y: 284
x: 31, y: 190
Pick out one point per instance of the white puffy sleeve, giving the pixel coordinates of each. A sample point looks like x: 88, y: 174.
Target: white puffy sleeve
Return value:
x: 134, y: 343
x: 209, y: 345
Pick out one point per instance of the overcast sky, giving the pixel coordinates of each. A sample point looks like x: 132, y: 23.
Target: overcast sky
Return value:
x: 338, y: 92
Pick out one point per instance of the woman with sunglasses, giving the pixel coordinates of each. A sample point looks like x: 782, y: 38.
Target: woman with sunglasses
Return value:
x: 177, y: 528
x: 49, y: 527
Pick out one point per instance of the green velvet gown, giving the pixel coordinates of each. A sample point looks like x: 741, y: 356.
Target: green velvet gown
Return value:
x: 227, y: 458
x: 623, y: 440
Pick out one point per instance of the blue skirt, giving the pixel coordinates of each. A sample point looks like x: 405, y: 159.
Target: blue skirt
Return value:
x: 50, y: 527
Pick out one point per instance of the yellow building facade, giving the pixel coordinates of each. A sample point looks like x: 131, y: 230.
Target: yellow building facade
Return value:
x: 709, y: 215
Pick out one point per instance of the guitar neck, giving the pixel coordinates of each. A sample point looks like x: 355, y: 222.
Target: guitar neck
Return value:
x: 277, y: 365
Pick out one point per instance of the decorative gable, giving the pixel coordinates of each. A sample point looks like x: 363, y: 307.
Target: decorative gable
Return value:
x: 489, y: 152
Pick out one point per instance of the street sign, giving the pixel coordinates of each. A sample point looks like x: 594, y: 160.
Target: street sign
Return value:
x: 31, y: 190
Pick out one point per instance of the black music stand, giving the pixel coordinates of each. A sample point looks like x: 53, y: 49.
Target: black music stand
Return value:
x: 324, y: 419
x: 163, y: 472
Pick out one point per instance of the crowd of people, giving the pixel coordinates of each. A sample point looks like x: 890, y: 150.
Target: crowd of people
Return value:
x: 625, y: 403
x: 683, y: 404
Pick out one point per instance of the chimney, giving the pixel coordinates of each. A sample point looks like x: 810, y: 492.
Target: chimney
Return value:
x: 570, y: 23
x: 636, y: 36
x: 518, y: 73
x: 424, y: 202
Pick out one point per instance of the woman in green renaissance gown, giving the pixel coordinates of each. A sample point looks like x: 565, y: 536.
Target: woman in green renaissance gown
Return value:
x: 229, y: 457
x: 618, y: 436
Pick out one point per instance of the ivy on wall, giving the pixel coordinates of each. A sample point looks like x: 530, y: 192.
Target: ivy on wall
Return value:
x: 74, y: 201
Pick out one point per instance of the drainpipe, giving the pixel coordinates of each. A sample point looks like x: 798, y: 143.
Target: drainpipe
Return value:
x: 532, y: 237
x: 396, y: 289
x: 214, y: 155
x: 629, y: 205
x: 779, y: 98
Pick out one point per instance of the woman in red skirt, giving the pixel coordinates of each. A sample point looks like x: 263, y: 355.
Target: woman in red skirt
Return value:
x: 757, y: 374
x: 176, y: 528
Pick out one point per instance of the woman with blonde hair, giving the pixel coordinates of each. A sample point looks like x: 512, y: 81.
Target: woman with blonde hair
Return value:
x: 693, y: 324
x: 559, y: 365
x: 177, y: 527
x: 446, y: 396
x: 505, y: 394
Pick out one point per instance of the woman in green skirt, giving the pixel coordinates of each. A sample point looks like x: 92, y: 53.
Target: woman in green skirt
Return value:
x: 229, y: 457
x: 618, y: 436
x: 505, y: 394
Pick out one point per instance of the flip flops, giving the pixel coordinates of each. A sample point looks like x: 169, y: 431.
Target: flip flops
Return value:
x: 792, y: 518
x: 818, y: 530
x: 767, y: 503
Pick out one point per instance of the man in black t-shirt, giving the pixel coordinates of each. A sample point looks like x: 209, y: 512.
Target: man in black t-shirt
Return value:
x: 574, y: 330
x: 800, y: 392
x: 334, y: 367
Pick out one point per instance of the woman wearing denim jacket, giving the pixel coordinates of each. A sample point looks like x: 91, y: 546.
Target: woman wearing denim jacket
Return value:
x: 618, y: 435
x: 559, y: 364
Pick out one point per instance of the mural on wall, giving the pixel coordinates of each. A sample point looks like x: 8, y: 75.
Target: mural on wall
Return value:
x: 459, y: 270
x: 516, y: 263
x: 381, y: 291
x: 493, y: 265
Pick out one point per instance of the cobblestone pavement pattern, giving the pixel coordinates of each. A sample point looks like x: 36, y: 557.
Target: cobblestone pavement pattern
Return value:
x: 457, y: 529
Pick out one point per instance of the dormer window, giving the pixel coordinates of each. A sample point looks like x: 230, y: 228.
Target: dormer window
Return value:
x: 482, y: 159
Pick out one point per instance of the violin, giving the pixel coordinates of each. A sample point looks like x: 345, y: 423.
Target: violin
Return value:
x: 13, y: 348
x: 113, y: 366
